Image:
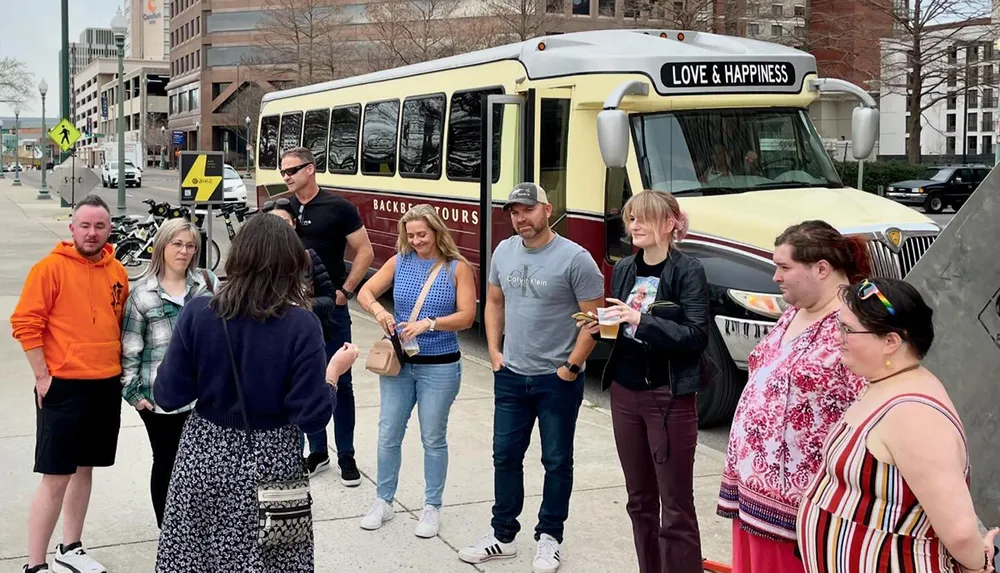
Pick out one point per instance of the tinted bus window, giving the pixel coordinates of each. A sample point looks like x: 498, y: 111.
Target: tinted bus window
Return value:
x: 314, y: 135
x: 378, y: 142
x: 465, y: 131
x: 291, y: 130
x: 420, y: 141
x: 344, y: 125
x: 267, y: 142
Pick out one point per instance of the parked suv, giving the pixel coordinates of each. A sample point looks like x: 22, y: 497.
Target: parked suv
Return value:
x: 109, y: 174
x: 943, y: 186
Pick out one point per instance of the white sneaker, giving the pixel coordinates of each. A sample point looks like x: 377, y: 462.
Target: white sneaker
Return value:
x: 488, y: 547
x: 378, y: 514
x: 547, y: 555
x: 75, y: 560
x: 429, y: 523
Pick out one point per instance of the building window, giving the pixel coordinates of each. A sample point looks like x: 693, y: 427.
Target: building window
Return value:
x: 987, y: 145
x: 950, y: 145
x: 554, y: 6
x: 314, y: 135
x: 581, y: 7
x: 950, y: 122
x: 988, y: 75
x: 378, y: 139
x: 753, y: 29
x: 987, y: 121
x: 242, y: 21
x: 972, y: 55
x: 193, y: 95
x: 973, y: 77
x: 987, y: 52
x: 971, y: 122
x: 952, y: 79
x: 420, y: 140
x: 776, y: 30
x: 988, y: 100
x: 465, y: 132
x: 800, y: 11
x: 606, y: 8
x: 267, y: 143
x: 952, y: 101
x: 344, y: 125
x: 777, y: 10
x: 291, y: 130
x: 971, y: 141
x: 973, y: 96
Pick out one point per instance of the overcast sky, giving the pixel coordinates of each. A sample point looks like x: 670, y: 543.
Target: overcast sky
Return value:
x: 30, y: 32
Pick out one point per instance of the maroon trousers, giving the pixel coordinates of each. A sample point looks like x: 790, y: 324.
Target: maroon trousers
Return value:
x: 656, y: 436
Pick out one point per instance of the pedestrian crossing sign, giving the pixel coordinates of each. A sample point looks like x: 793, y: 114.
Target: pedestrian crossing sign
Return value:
x: 64, y: 134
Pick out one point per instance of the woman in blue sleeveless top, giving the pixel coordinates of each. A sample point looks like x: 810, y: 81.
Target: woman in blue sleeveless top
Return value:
x: 430, y: 378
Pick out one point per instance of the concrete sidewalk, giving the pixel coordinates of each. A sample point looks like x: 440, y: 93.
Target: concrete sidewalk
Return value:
x: 121, y: 530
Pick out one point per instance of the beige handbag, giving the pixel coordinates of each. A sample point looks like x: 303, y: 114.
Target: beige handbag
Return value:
x: 385, y: 357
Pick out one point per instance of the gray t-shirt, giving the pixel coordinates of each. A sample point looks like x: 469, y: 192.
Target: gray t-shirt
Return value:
x: 542, y: 288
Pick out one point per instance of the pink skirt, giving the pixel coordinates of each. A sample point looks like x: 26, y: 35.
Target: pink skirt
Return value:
x: 754, y: 554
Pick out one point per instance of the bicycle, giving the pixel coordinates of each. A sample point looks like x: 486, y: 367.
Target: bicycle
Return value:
x: 134, y: 240
x: 241, y: 211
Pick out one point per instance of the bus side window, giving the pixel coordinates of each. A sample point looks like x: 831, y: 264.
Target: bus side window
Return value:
x: 617, y: 192
x: 553, y: 138
x: 345, y: 124
x: 420, y: 143
x: 291, y: 130
x: 378, y: 138
x: 465, y: 131
x: 267, y: 152
x: 314, y: 135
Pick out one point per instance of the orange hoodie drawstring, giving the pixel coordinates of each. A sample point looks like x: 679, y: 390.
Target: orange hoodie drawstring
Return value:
x: 90, y: 294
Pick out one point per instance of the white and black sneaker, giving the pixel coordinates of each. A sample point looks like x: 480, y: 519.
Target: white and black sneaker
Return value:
x: 488, y: 547
x: 547, y: 558
x: 44, y: 567
x: 73, y: 558
x: 317, y: 463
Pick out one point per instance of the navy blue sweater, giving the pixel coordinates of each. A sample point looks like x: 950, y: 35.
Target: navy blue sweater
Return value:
x: 282, y: 364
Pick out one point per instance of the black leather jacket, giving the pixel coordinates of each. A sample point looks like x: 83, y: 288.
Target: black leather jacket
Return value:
x: 675, y: 332
x: 324, y: 296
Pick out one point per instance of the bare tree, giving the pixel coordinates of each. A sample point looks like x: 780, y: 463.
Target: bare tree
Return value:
x: 696, y: 15
x: 410, y: 31
x: 16, y: 82
x: 520, y: 20
x: 921, y: 61
x: 298, y: 38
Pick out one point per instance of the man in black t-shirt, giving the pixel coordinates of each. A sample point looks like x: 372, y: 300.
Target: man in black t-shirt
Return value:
x: 328, y: 224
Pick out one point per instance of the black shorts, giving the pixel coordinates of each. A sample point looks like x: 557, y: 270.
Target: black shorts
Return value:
x: 77, y: 425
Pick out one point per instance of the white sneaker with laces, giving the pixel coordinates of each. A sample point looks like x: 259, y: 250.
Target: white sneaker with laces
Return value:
x: 547, y: 558
x: 75, y: 560
x: 430, y: 521
x: 378, y: 514
x: 488, y: 547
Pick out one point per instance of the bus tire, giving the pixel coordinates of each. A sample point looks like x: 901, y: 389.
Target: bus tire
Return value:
x: 717, y: 403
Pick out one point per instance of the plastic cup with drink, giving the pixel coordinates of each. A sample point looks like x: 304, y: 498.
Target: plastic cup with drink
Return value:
x: 609, y: 326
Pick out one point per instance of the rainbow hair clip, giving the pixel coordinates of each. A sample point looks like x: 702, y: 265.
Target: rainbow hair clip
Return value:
x: 868, y: 289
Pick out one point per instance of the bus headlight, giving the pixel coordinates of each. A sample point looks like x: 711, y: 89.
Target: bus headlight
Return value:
x: 769, y: 305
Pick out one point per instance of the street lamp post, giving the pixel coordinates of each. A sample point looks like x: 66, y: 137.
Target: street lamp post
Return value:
x: 197, y: 135
x: 17, y: 143
x: 119, y: 24
x: 43, y: 193
x: 248, y: 146
x: 163, y: 147
x: 2, y: 149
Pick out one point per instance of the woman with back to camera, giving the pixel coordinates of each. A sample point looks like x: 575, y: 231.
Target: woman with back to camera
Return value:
x: 654, y: 373
x: 797, y: 389
x: 258, y: 333
x: 154, y: 303
x: 892, y: 493
x: 431, y: 378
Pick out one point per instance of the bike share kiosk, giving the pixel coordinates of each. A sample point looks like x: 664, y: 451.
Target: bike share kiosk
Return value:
x: 201, y: 186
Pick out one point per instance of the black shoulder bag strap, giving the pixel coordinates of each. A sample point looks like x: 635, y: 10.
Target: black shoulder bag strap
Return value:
x: 239, y: 386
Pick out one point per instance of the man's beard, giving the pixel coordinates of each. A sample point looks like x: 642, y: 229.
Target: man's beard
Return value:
x: 83, y: 249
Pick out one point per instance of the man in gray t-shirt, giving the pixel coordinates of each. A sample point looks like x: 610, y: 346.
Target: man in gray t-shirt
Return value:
x: 537, y: 281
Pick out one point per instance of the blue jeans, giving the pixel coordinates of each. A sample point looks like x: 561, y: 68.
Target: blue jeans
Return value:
x: 433, y: 388
x: 343, y: 412
x: 518, y: 401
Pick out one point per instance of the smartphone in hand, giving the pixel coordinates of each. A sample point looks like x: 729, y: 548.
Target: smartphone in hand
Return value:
x: 584, y: 317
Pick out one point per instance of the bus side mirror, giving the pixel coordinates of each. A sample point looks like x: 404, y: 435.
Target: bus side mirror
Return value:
x: 864, y: 131
x: 612, y: 136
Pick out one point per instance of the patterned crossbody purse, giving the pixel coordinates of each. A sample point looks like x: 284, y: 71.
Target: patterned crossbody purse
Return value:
x: 284, y: 506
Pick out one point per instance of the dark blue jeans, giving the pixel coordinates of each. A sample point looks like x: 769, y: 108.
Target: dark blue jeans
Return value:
x: 343, y: 413
x: 519, y: 400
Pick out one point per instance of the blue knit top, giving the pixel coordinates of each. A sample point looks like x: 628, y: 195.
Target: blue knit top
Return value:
x: 411, y: 273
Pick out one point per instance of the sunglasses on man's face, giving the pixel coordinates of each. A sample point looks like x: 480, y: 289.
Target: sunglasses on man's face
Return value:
x: 270, y: 205
x: 868, y: 290
x: 289, y: 171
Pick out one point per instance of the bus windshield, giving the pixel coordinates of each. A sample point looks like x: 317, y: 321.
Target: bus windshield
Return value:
x: 720, y: 152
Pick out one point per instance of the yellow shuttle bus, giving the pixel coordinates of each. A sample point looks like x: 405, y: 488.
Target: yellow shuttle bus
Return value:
x: 594, y: 117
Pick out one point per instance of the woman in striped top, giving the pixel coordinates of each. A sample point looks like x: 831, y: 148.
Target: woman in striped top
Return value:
x: 892, y: 492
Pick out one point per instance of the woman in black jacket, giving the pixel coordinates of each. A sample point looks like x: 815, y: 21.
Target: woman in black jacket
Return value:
x: 661, y: 305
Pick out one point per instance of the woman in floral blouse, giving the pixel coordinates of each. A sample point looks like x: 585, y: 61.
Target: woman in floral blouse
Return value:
x: 796, y: 391
x: 155, y: 301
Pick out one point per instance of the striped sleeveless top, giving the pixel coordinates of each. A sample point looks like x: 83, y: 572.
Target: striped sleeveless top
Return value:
x: 859, y: 515
x: 410, y: 276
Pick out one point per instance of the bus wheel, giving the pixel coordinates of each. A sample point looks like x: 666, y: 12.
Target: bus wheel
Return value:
x: 717, y: 403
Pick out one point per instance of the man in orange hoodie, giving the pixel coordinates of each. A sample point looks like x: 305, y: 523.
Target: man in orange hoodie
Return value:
x: 68, y: 320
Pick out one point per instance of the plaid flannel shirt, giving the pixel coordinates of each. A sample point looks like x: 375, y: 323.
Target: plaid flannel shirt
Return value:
x: 146, y: 330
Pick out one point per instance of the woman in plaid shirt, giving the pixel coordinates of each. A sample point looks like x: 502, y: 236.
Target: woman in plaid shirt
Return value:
x: 155, y: 301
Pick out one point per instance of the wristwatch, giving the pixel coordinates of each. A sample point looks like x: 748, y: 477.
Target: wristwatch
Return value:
x: 433, y: 321
x: 347, y: 294
x: 572, y: 367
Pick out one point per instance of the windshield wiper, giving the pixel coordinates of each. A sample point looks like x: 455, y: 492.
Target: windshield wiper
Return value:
x: 793, y: 185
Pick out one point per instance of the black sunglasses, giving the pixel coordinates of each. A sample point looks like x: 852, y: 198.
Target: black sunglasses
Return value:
x: 288, y: 171
x: 270, y: 205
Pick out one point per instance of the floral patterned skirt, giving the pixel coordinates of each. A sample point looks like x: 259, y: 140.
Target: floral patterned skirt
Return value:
x: 211, y: 519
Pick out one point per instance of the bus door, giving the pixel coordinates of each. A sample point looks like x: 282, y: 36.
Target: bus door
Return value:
x: 504, y: 134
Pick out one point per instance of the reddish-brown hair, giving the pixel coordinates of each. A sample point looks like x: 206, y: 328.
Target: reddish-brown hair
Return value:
x: 815, y: 241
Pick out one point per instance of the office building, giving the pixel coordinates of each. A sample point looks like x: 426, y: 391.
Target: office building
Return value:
x: 148, y: 35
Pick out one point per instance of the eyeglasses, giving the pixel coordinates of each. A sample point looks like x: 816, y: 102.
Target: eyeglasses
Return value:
x: 181, y: 246
x: 289, y: 171
x: 270, y: 205
x: 868, y: 289
x: 846, y: 330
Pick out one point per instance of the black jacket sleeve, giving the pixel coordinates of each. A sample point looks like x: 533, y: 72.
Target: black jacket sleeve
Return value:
x: 689, y: 333
x: 322, y: 285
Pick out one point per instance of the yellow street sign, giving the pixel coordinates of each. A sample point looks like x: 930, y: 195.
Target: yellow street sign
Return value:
x: 201, y: 177
x: 64, y: 134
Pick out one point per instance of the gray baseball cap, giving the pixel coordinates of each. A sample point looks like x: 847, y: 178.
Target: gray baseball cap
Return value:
x: 526, y: 194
